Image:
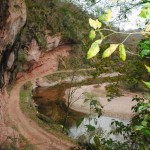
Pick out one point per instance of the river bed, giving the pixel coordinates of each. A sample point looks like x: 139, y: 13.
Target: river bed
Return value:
x: 51, y: 102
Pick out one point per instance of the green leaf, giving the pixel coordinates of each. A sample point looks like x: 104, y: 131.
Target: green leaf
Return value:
x: 144, y: 123
x: 144, y: 46
x: 92, y: 23
x: 103, y: 17
x: 148, y: 68
x: 99, y: 24
x: 122, y: 52
x: 99, y: 41
x: 147, y: 84
x: 137, y: 128
x: 146, y: 132
x: 79, y: 121
x: 144, y: 107
x: 109, y: 14
x: 143, y: 13
x: 90, y: 128
x: 94, y: 49
x: 95, y: 23
x: 92, y: 35
x: 110, y: 50
x: 147, y: 41
x: 97, y: 141
x: 147, y: 29
x: 106, y: 17
x: 98, y: 111
x: 144, y: 53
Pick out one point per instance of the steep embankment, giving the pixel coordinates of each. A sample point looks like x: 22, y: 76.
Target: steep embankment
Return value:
x: 28, y: 128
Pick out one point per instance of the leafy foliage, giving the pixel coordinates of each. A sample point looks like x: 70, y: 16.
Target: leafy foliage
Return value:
x: 144, y: 48
x: 148, y: 68
x: 122, y: 52
x: 94, y: 49
x: 94, y: 103
x: 141, y: 121
x: 137, y: 133
x: 147, y: 84
x: 145, y: 11
x: 110, y: 50
x: 92, y: 35
x: 106, y: 16
x: 95, y: 23
x: 90, y: 128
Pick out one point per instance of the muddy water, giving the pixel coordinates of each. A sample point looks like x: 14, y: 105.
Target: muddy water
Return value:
x: 51, y: 102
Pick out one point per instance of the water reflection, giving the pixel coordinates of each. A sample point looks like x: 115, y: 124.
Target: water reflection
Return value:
x: 51, y: 103
x: 103, y: 127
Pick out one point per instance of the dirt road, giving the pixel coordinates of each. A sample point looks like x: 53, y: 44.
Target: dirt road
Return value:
x: 26, y: 126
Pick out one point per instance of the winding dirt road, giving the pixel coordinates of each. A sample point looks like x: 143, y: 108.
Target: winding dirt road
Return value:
x: 27, y: 127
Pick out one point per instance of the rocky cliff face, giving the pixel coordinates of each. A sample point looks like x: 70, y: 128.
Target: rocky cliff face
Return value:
x: 12, y: 20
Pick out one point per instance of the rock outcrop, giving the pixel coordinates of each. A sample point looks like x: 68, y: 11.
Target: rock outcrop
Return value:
x: 12, y: 20
x: 33, y: 52
x: 52, y: 42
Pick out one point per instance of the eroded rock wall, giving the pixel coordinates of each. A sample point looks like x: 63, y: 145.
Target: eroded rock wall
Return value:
x: 12, y: 20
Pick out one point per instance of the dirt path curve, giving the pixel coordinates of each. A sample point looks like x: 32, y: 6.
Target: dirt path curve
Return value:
x: 27, y: 127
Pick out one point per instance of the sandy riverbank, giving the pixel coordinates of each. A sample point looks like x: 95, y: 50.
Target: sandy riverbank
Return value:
x: 118, y: 107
